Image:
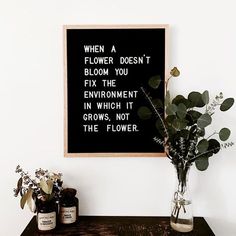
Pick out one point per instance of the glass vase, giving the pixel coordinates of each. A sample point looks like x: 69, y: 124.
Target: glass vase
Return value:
x: 181, y: 218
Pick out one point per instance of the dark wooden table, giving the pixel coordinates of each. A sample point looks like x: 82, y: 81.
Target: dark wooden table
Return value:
x: 120, y: 226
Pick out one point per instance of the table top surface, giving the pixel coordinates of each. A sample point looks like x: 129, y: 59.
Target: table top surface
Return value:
x: 120, y: 226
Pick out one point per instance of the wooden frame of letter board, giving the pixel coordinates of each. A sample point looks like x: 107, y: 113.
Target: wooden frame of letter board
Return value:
x: 65, y: 27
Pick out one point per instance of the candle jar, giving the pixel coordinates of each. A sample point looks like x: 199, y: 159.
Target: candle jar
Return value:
x: 69, y: 206
x: 46, y: 215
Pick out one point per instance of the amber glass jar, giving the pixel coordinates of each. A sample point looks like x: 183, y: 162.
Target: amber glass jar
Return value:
x: 69, y: 206
x: 46, y: 215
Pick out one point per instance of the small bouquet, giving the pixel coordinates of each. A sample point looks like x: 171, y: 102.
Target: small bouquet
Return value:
x: 45, y: 186
x: 182, y: 123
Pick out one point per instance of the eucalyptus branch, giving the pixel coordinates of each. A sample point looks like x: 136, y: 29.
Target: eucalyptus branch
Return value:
x: 204, y: 153
x: 226, y: 145
x: 192, y: 147
x: 162, y: 123
x: 169, y: 156
x: 159, y: 141
x: 171, y: 149
x: 25, y: 175
x: 212, y: 135
x: 175, y: 152
x: 155, y: 111
x: 167, y: 82
x: 182, y: 128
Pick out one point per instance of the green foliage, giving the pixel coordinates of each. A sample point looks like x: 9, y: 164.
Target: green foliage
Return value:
x: 171, y: 109
x: 157, y: 103
x: 202, y: 163
x: 193, y: 116
x: 154, y: 81
x: 224, y: 134
x: 179, y: 124
x: 202, y: 145
x: 185, y: 124
x: 227, y: 104
x: 195, y: 99
x: 144, y: 113
x: 205, y: 97
x: 181, y: 99
x: 204, y: 120
x: 181, y: 111
x: 214, y: 146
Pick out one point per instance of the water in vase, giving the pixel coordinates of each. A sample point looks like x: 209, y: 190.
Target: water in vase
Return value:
x: 181, y: 215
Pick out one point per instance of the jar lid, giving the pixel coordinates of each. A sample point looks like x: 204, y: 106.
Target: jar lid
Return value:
x: 69, y: 192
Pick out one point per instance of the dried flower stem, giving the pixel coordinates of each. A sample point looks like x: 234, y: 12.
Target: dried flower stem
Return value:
x: 155, y: 111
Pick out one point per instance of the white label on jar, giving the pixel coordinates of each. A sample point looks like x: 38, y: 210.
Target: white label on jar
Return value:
x: 67, y: 215
x: 46, y: 221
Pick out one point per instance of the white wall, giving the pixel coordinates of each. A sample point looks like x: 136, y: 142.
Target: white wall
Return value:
x: 202, y: 45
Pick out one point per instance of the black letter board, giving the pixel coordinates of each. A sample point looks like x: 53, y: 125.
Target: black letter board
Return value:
x: 105, y: 67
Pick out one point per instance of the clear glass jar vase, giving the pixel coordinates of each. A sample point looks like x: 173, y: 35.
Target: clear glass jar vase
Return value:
x: 181, y: 218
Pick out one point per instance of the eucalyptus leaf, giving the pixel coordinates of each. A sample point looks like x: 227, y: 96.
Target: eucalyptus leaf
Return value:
x: 202, y: 163
x: 23, y: 200
x: 171, y: 109
x: 32, y: 205
x: 19, y: 185
x: 205, y: 97
x: 144, y: 113
x: 50, y: 186
x: 192, y: 116
x: 179, y: 124
x: 202, y: 145
x: 154, y: 82
x: 46, y: 186
x: 29, y: 200
x: 180, y: 99
x: 227, y: 104
x: 27, y: 195
x: 195, y: 99
x: 157, y: 103
x: 170, y: 119
x: 204, y: 120
x: 224, y: 134
x: 171, y: 131
x: 214, y: 146
x: 181, y: 111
